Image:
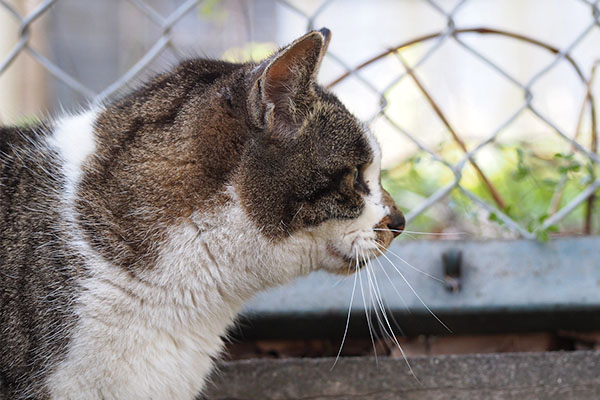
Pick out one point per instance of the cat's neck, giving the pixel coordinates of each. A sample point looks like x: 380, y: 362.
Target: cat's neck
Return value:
x: 207, y: 266
x: 216, y: 253
x: 161, y: 154
x: 222, y: 258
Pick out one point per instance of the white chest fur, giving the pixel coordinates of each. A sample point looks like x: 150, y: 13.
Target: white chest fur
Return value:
x: 155, y: 335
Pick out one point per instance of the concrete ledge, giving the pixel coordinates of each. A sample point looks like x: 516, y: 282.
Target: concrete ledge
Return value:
x: 548, y: 376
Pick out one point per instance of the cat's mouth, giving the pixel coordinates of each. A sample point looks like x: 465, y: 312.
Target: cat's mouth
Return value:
x: 351, y: 264
x: 361, y: 248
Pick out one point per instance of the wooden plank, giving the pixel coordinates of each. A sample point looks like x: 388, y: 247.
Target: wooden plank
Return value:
x: 518, y: 376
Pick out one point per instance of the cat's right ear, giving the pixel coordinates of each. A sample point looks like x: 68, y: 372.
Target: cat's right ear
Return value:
x: 281, y: 80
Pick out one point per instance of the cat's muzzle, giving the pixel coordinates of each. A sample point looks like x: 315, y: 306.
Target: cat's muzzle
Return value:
x: 392, y: 224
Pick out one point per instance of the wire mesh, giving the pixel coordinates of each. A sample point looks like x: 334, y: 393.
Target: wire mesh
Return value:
x: 491, y: 202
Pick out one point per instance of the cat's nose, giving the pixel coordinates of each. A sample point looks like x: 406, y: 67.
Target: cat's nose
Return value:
x: 396, y: 221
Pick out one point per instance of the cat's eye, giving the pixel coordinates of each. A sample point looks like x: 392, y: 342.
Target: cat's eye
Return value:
x: 355, y: 177
x: 357, y: 181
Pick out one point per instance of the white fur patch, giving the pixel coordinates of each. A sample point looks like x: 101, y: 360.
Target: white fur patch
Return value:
x: 73, y: 139
x: 155, y: 335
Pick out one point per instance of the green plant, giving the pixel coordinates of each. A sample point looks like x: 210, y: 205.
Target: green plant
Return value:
x: 534, y: 185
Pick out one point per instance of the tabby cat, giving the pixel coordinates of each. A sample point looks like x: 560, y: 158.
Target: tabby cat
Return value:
x: 131, y: 234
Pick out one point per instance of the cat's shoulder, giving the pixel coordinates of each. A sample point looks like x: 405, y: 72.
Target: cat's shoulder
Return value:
x: 12, y: 137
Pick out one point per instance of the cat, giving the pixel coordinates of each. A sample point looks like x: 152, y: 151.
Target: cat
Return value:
x: 132, y: 233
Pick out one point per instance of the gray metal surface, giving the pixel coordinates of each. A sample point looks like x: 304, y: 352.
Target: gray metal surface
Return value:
x: 547, y: 376
x: 504, y: 286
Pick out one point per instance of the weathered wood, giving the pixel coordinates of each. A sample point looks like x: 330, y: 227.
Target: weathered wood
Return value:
x: 547, y: 376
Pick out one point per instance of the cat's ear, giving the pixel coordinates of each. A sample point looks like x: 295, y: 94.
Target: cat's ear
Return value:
x: 281, y: 80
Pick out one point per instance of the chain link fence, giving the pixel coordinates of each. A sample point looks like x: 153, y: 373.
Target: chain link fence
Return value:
x: 475, y: 183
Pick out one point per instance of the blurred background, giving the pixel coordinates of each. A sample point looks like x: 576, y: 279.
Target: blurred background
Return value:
x: 477, y: 137
x: 485, y: 109
x: 486, y: 112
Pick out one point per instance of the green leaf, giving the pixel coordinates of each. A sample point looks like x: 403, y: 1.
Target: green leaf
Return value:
x: 494, y: 218
x: 553, y: 228
x: 543, y: 236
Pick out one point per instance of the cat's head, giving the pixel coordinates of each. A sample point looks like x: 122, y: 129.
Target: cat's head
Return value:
x: 302, y: 168
x: 312, y: 169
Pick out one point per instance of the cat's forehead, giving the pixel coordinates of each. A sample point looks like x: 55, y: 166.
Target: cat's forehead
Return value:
x: 373, y: 144
x: 341, y: 134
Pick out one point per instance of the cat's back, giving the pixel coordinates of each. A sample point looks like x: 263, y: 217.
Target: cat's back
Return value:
x: 36, y: 278
x: 29, y: 175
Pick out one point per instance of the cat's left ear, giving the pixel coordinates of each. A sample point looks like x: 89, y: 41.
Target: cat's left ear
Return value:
x: 282, y: 79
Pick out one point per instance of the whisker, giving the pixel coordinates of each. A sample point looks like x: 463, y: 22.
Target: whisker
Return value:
x: 391, y: 334
x: 379, y: 334
x: 340, y: 280
x: 372, y: 289
x: 409, y: 264
x: 348, y: 318
x: 366, y: 312
x: 391, y: 314
x: 409, y: 235
x: 376, y: 285
x: 422, y: 233
x: 378, y: 297
x: 374, y: 306
x: 404, y: 236
x: 414, y: 291
x: 393, y: 286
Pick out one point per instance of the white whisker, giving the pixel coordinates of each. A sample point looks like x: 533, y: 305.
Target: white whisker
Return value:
x: 409, y: 264
x: 391, y: 334
x: 421, y: 233
x: 379, y: 306
x: 396, y: 324
x: 374, y: 303
x: 393, y: 286
x: 373, y: 292
x: 347, y: 319
x: 399, y: 295
x: 382, y: 333
x: 407, y: 234
x: 340, y: 280
x: 366, y: 312
x: 379, y: 299
x: 414, y: 291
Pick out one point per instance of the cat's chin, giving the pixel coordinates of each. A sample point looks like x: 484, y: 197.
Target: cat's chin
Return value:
x: 342, y: 264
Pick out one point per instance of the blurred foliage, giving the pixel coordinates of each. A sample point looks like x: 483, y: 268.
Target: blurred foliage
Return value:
x: 28, y: 121
x: 212, y: 10
x: 531, y: 183
x: 251, y: 51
